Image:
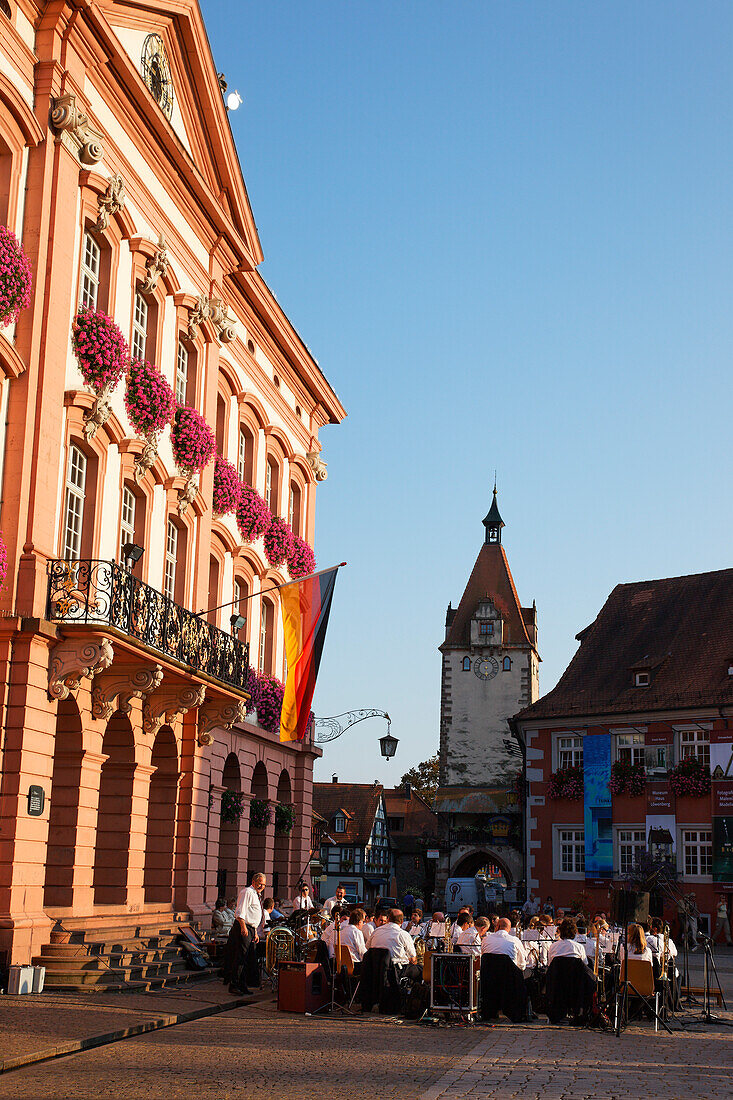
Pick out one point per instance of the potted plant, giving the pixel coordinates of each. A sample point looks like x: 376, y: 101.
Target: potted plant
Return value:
x: 284, y: 819
x: 259, y: 813
x: 300, y: 558
x: 278, y: 540
x: 690, y: 779
x: 232, y: 806
x: 102, y: 354
x: 194, y: 446
x: 227, y: 487
x: 253, y: 515
x: 627, y: 779
x: 150, y: 404
x: 16, y: 278
x: 566, y: 783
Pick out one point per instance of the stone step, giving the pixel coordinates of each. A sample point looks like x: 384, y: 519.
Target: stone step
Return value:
x: 104, y: 983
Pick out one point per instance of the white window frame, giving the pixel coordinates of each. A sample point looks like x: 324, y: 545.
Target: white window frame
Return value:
x: 694, y: 741
x: 561, y: 835
x: 74, y: 499
x: 139, y: 337
x: 697, y: 839
x: 237, y: 591
x: 127, y: 517
x: 628, y: 746
x: 268, y: 484
x: 242, y: 455
x: 91, y: 263
x: 339, y: 824
x: 181, y: 373
x: 569, y: 743
x: 629, y: 841
x: 264, y: 607
x: 642, y: 679
x: 171, y: 560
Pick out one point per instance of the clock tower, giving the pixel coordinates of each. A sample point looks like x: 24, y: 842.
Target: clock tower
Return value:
x: 490, y: 672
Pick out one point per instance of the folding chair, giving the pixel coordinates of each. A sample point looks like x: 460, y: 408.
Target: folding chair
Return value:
x: 640, y: 981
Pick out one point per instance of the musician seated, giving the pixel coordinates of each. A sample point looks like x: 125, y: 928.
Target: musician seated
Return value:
x: 268, y: 908
x: 277, y: 913
x: 567, y: 946
x: 369, y: 924
x: 655, y: 941
x: 435, y: 929
x: 636, y: 944
x: 469, y: 941
x: 303, y: 899
x: 328, y: 935
x: 338, y: 899
x: 414, y: 925
x: 501, y: 942
x: 352, y: 937
x: 503, y: 962
x: 400, y: 945
x: 221, y: 921
x: 457, y: 928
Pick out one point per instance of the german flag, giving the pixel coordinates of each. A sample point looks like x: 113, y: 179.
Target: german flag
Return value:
x: 306, y: 605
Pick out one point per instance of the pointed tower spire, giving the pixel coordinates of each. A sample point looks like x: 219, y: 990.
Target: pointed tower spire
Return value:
x: 493, y: 521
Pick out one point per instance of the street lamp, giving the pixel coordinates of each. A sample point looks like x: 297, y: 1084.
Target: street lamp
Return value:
x: 237, y: 622
x: 328, y: 729
x: 131, y: 552
x: 388, y: 745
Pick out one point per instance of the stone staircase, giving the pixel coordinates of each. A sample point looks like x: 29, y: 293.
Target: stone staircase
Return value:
x: 100, y: 956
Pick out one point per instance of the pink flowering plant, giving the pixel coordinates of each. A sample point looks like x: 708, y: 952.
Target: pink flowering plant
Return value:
x: 227, y: 487
x: 3, y: 561
x: 16, y: 277
x: 193, y: 441
x: 690, y: 778
x: 566, y: 783
x: 627, y: 779
x: 253, y: 515
x: 100, y: 348
x: 267, y: 698
x: 301, y: 559
x: 149, y: 400
x: 278, y: 541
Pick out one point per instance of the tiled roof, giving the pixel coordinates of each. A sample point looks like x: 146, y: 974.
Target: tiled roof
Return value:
x: 358, y: 800
x: 420, y: 820
x: 490, y: 577
x: 680, y: 629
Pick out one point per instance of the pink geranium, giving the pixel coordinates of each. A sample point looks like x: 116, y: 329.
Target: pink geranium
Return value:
x: 301, y: 559
x: 278, y: 540
x: 227, y: 487
x: 100, y: 348
x: 267, y: 698
x: 193, y: 442
x: 16, y: 277
x: 149, y: 400
x: 253, y: 515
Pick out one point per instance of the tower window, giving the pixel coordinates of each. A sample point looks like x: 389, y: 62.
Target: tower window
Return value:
x: 507, y: 664
x: 485, y: 629
x: 466, y: 664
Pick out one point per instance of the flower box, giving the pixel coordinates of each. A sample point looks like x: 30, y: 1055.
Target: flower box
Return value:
x: 301, y: 559
x: 16, y: 278
x: 253, y: 515
x: 227, y: 487
x: 278, y: 540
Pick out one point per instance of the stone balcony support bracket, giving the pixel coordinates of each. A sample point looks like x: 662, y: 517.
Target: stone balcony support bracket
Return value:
x: 73, y: 658
x: 165, y: 703
x: 220, y: 715
x: 124, y: 683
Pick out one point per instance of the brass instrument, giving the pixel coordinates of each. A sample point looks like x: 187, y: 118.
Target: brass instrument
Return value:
x: 419, y: 950
x: 447, y: 936
x: 279, y: 947
x: 597, y: 934
x: 664, y: 976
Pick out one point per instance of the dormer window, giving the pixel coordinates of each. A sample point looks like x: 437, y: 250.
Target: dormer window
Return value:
x: 339, y: 824
x: 641, y: 679
x: 485, y: 628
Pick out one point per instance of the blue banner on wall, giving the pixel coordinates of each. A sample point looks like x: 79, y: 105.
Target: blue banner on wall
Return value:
x: 597, y: 806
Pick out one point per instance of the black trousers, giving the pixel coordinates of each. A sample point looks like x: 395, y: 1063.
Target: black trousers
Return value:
x: 240, y: 959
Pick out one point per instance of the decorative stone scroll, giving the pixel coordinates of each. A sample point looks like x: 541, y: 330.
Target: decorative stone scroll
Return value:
x: 197, y: 316
x: 317, y: 465
x: 74, y: 658
x: 221, y: 715
x: 68, y: 119
x: 214, y: 310
x: 98, y: 415
x: 188, y: 493
x: 164, y: 704
x: 124, y: 683
x: 157, y: 266
x: 111, y: 202
x: 145, y: 460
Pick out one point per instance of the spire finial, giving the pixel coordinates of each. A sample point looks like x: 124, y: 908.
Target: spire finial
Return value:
x: 493, y: 521
x: 494, y: 482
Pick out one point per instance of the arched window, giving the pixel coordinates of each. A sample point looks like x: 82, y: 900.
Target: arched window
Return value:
x: 91, y: 268
x: 240, y: 605
x: 272, y: 484
x: 213, y: 590
x: 294, y: 508
x: 221, y: 423
x: 507, y: 664
x: 466, y: 664
x: 75, y: 498
x: 171, y: 559
x: 267, y: 624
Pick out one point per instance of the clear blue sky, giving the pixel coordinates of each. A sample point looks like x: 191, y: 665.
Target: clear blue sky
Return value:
x: 504, y: 230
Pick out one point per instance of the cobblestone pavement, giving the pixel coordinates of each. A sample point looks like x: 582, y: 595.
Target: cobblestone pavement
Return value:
x: 255, y: 1052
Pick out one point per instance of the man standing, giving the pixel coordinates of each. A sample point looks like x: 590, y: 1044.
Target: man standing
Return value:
x: 722, y: 923
x: 337, y: 900
x: 240, y: 957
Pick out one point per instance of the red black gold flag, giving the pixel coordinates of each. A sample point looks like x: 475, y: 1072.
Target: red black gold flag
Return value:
x: 306, y: 605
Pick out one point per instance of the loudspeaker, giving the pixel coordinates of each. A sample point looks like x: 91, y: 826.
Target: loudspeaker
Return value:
x: 629, y: 906
x: 301, y: 987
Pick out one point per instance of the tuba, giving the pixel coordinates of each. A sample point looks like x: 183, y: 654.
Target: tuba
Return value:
x: 419, y: 950
x: 279, y: 947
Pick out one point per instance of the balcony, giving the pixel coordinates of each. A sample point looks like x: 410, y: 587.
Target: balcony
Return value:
x: 102, y: 594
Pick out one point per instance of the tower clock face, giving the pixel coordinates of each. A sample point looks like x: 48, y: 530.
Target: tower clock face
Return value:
x: 485, y: 667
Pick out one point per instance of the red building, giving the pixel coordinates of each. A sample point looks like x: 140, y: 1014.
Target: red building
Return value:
x: 649, y: 695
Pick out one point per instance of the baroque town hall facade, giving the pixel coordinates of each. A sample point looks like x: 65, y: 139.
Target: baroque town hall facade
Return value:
x: 119, y: 174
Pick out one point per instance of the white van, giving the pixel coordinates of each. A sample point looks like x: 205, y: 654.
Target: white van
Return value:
x: 460, y: 892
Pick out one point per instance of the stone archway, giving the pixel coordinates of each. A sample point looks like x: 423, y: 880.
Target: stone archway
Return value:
x: 160, y: 836
x: 63, y: 816
x: 257, y: 848
x: 114, y: 817
x: 228, y: 863
x: 469, y: 863
x: 281, y: 859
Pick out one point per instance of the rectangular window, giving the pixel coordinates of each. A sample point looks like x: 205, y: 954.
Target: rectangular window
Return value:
x: 139, y: 328
x: 630, y: 748
x: 264, y: 627
x: 572, y: 851
x: 570, y: 752
x: 171, y: 554
x: 74, y: 507
x: 91, y: 256
x: 237, y: 601
x: 485, y: 629
x: 242, y: 456
x: 695, y: 744
x: 127, y: 519
x: 631, y: 844
x: 697, y: 848
x: 268, y: 485
x: 181, y: 373
x: 339, y: 825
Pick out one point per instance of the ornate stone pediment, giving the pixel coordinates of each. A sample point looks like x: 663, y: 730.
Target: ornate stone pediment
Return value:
x: 111, y: 202
x: 69, y: 120
x: 74, y: 658
x: 220, y: 715
x: 165, y: 703
x: 124, y: 683
x: 317, y: 465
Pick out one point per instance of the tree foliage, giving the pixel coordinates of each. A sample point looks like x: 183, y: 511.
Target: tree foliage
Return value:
x: 424, y: 777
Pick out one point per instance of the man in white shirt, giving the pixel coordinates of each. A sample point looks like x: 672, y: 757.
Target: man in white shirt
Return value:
x: 567, y: 946
x: 338, y: 899
x: 352, y: 936
x: 240, y: 959
x: 502, y: 943
x: 399, y: 943
x: 469, y: 940
x: 303, y: 900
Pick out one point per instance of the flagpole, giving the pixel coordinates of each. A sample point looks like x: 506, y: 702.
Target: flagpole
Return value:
x: 272, y: 588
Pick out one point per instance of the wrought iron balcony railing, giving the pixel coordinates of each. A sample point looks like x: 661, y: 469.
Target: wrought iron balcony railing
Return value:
x: 102, y: 593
